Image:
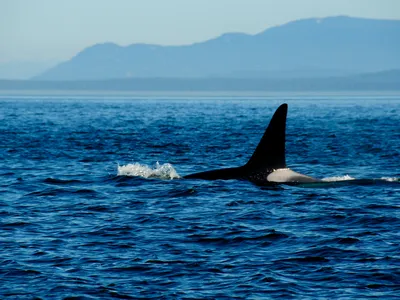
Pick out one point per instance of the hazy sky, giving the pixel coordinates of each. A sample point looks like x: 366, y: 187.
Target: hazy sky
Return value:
x: 42, y: 30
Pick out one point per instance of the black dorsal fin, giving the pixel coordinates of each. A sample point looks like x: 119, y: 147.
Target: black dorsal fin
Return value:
x: 270, y: 152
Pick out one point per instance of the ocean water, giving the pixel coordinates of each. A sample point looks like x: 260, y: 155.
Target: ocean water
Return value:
x: 93, y: 206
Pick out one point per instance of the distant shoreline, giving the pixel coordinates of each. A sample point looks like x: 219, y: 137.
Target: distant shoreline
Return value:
x: 364, y: 84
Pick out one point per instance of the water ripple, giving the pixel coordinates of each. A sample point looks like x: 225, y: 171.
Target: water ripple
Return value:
x: 75, y: 226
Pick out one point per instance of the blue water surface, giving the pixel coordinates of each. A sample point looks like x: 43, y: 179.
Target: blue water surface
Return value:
x: 86, y: 213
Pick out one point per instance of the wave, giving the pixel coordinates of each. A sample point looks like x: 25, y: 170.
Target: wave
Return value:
x: 391, y: 179
x: 164, y: 171
x: 347, y: 178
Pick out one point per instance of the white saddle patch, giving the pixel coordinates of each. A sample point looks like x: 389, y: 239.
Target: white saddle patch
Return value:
x: 287, y: 175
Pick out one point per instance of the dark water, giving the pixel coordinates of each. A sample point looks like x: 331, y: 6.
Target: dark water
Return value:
x: 70, y: 227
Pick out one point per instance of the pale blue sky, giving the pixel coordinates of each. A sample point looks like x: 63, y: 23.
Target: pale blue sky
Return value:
x: 55, y: 30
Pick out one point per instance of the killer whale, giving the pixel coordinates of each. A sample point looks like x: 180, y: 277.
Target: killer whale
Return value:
x: 267, y: 165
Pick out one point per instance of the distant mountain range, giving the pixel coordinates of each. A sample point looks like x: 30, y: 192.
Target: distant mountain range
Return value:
x: 310, y: 48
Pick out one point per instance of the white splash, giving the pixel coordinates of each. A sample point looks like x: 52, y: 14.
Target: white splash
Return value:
x: 338, y: 178
x: 164, y: 171
x: 391, y: 179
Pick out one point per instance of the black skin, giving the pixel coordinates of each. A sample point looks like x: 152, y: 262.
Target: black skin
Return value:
x: 268, y: 156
